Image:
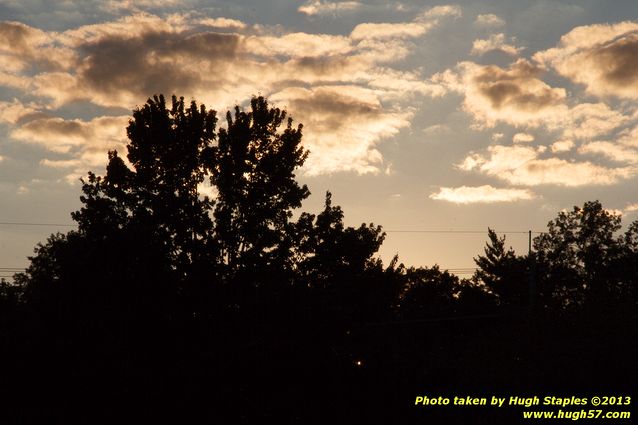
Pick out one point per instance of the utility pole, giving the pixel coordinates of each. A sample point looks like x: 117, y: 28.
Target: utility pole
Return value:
x: 529, y: 241
x: 531, y: 274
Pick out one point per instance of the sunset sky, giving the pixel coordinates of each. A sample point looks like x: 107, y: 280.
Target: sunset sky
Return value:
x: 418, y: 115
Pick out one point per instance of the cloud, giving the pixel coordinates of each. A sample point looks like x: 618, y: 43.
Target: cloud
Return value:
x: 496, y: 42
x: 117, y: 6
x: 514, y: 95
x: 124, y: 61
x: 423, y: 23
x: 61, y: 163
x: 83, y: 143
x: 602, y: 57
x: 123, y: 69
x: 590, y: 120
x: 344, y: 124
x: 614, y: 151
x: 448, y: 10
x: 517, y: 96
x: 318, y: 7
x: 488, y: 20
x: 222, y: 23
x: 15, y: 111
x: 24, y: 46
x: 351, y: 91
x: 522, y: 165
x: 522, y: 138
x: 436, y: 129
x: 387, y: 30
x: 481, y: 194
x: 299, y: 45
x: 562, y: 146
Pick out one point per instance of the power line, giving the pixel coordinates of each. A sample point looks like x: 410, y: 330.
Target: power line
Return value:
x: 461, y: 231
x: 23, y: 223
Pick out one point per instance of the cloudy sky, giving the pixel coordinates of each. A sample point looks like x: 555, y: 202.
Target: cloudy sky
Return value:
x: 418, y: 115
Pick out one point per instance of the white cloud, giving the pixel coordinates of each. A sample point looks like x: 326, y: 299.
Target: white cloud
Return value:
x: 344, y: 124
x: 117, y: 6
x: 318, y: 7
x: 61, y: 163
x: 387, y: 30
x: 220, y: 62
x: 488, y: 20
x: 299, y: 45
x: 222, y: 23
x: 13, y: 112
x: 522, y: 138
x: 614, y: 151
x: 84, y: 143
x: 515, y: 95
x: 602, y: 57
x: 590, y: 120
x: 481, y: 194
x: 436, y: 129
x: 449, y: 10
x: 495, y: 42
x: 521, y: 165
x: 497, y: 136
x: 562, y: 146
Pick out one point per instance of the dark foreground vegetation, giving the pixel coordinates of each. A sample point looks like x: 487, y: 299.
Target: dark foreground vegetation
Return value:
x: 166, y: 306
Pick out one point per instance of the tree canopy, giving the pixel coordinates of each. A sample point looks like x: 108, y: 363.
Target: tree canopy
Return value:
x: 192, y: 262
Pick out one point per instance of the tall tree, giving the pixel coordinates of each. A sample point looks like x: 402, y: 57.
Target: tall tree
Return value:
x: 253, y: 169
x: 578, y: 254
x: 502, y: 272
x: 167, y: 149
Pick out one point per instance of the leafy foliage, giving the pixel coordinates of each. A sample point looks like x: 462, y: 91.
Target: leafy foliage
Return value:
x: 579, y: 255
x: 232, y: 292
x: 502, y: 272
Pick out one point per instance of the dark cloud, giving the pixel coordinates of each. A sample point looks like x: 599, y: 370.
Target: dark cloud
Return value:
x: 14, y: 36
x: 345, y: 124
x: 507, y: 93
x: 29, y: 47
x: 323, y: 66
x: 158, y: 62
x: 335, y: 109
x: 602, y: 57
x: 55, y: 127
x: 619, y: 61
x: 516, y: 87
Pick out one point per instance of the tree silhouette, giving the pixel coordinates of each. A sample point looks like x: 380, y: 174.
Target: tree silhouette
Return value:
x: 502, y: 272
x: 168, y: 149
x: 330, y: 251
x: 191, y: 293
x: 252, y: 167
x: 577, y: 257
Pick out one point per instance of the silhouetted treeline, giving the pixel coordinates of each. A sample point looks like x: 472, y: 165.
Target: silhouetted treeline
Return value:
x: 173, y: 305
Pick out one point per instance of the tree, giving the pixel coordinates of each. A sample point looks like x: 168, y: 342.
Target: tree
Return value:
x: 627, y: 266
x: 159, y: 280
x: 253, y: 169
x: 168, y: 149
x: 329, y: 251
x: 429, y: 292
x: 577, y: 257
x: 502, y: 272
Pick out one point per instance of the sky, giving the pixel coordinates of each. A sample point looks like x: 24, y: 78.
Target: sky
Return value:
x: 418, y: 116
